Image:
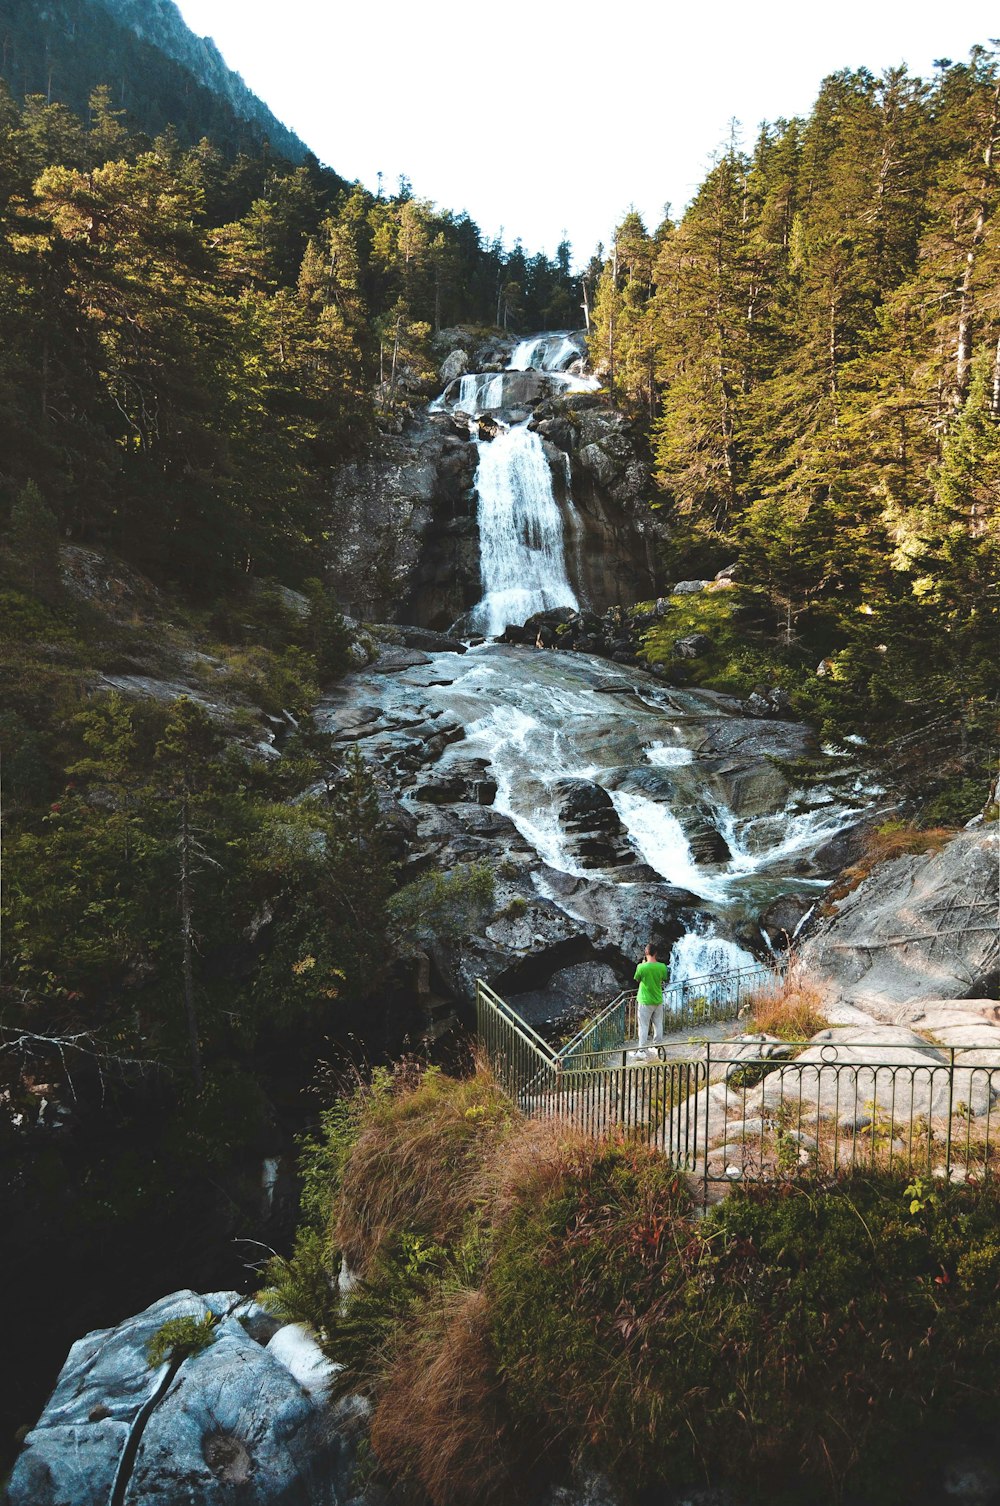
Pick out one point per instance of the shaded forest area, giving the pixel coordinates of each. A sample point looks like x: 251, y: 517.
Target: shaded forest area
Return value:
x: 189, y: 341
x: 814, y: 348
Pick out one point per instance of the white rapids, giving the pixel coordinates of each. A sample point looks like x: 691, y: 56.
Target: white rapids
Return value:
x: 522, y: 527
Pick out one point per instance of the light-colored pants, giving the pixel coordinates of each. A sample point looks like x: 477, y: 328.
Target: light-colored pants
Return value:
x: 650, y: 1023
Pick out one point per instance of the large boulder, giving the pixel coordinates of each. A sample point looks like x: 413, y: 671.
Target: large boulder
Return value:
x: 454, y: 365
x: 919, y: 927
x: 246, y: 1419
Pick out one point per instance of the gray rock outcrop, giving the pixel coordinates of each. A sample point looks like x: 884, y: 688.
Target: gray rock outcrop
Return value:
x: 403, y: 521
x: 244, y: 1419
x: 924, y: 926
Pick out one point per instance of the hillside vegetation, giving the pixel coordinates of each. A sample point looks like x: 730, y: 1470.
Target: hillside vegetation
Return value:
x: 527, y: 1300
x: 813, y: 349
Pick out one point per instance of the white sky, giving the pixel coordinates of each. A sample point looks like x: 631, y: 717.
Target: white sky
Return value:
x: 558, y: 117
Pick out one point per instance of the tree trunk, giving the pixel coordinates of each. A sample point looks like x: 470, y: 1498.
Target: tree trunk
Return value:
x: 187, y: 945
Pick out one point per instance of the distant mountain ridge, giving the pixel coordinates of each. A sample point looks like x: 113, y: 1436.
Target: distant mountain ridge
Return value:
x: 155, y: 65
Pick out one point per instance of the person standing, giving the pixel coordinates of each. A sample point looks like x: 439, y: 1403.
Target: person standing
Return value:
x: 651, y: 975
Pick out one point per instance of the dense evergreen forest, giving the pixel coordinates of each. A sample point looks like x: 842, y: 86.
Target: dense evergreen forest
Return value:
x: 814, y: 347
x: 189, y: 341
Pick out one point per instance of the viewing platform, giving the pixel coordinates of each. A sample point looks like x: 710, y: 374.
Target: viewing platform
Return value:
x: 727, y: 1107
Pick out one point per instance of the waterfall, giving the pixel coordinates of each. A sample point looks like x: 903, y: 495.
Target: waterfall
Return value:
x: 521, y: 544
x: 480, y: 394
x: 522, y: 555
x: 701, y: 952
x: 552, y: 354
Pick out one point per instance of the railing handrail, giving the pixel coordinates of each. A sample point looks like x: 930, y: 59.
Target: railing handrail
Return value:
x: 593, y: 1023
x: 848, y: 1104
x: 675, y: 996
x: 517, y: 1023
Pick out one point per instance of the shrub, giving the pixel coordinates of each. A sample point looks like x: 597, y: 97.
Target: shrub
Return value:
x: 793, y: 1011
x: 180, y: 1337
x: 593, y: 1235
x: 533, y: 1299
x: 303, y: 1287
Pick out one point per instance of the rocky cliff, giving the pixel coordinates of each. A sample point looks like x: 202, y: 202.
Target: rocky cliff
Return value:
x: 922, y: 927
x: 156, y: 67
x: 160, y: 23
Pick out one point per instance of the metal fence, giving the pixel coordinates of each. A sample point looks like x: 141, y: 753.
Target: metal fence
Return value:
x: 696, y: 1002
x: 745, y: 1110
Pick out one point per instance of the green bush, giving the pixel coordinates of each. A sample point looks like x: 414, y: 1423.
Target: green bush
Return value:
x: 796, y: 1333
x: 180, y: 1337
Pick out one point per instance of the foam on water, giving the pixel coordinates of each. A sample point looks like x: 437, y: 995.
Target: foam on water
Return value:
x: 763, y: 841
x: 701, y: 952
x: 668, y: 756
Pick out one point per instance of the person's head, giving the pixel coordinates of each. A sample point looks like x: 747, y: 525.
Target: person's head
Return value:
x: 651, y: 950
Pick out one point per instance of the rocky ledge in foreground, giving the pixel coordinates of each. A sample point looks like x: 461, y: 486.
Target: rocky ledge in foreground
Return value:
x: 244, y: 1419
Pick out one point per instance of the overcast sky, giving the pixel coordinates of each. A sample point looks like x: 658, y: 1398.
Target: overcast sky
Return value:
x: 555, y: 118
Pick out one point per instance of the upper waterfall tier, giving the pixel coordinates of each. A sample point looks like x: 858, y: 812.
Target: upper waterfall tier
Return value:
x: 539, y: 366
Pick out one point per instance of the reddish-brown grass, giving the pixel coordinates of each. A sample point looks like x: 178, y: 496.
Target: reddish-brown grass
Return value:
x: 793, y: 1010
x: 440, y: 1421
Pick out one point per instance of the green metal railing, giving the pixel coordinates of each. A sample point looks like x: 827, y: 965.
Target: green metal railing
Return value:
x: 747, y: 1110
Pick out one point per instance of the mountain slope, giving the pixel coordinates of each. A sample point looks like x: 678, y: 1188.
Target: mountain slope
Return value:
x: 156, y: 67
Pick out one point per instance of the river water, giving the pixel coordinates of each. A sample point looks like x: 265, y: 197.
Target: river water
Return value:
x: 676, y: 764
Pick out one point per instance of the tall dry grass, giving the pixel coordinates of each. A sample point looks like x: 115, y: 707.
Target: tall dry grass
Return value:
x: 417, y: 1163
x: 441, y: 1421
x: 793, y: 1010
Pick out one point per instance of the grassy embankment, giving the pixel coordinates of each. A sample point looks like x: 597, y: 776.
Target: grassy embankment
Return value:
x: 529, y: 1301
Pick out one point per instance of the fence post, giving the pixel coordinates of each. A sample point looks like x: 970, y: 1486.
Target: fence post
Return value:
x: 708, y: 1110
x: 951, y: 1096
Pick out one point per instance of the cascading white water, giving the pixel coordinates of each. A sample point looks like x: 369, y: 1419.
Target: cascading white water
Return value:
x: 480, y: 394
x: 702, y: 952
x: 548, y: 733
x: 522, y: 555
x: 544, y: 352
x: 552, y: 354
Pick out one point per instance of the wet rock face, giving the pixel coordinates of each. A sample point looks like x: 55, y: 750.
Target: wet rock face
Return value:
x: 919, y: 927
x: 598, y: 838
x: 619, y: 534
x: 403, y: 527
x: 595, y: 796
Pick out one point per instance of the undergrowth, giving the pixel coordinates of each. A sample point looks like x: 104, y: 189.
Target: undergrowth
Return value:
x: 532, y: 1301
x: 884, y: 843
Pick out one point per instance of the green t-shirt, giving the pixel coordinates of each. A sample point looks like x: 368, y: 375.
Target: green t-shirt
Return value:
x: 651, y: 977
